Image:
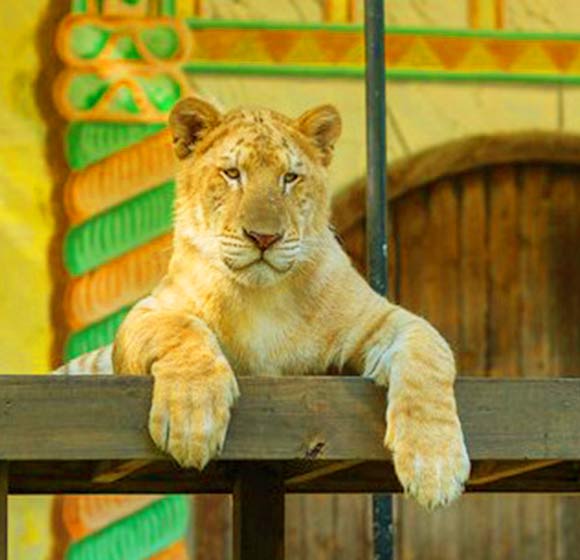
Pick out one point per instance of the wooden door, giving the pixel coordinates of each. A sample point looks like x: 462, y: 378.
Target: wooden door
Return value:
x: 492, y: 258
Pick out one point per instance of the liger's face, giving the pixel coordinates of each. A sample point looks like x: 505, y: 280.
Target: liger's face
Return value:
x: 253, y: 196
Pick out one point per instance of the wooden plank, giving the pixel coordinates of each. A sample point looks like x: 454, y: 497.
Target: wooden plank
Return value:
x: 491, y: 471
x: 472, y: 539
x: 109, y: 471
x: 213, y: 524
x: 317, y: 526
x: 472, y: 345
x: 3, y: 510
x: 98, y: 418
x: 58, y: 477
x: 562, y: 269
x: 503, y: 524
x: 535, y: 518
x: 259, y: 515
x: 412, y: 246
x: 375, y: 476
x: 319, y: 472
x: 504, y: 299
x: 352, y: 525
x: 440, y: 262
x: 437, y: 293
x: 564, y: 319
x: 535, y: 260
x: 294, y: 526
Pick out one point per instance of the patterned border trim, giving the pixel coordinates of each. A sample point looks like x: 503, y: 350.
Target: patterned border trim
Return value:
x: 193, y: 24
x: 336, y: 50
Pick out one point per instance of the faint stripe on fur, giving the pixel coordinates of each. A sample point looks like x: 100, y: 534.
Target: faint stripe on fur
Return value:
x: 97, y: 362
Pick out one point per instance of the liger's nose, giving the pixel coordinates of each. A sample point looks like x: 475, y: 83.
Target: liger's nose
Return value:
x: 263, y: 240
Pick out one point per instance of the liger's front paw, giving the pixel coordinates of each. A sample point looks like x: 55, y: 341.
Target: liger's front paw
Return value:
x: 189, y: 415
x: 430, y: 459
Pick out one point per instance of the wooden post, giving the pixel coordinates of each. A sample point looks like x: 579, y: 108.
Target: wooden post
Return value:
x: 258, y: 515
x: 3, y: 510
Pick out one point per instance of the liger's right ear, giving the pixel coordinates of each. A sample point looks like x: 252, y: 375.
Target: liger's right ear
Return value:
x: 189, y: 120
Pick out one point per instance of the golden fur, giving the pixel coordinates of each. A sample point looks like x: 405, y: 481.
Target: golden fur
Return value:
x: 296, y: 307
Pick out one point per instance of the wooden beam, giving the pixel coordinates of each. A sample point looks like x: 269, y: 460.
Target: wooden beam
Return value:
x: 320, y: 471
x: 3, y: 510
x: 219, y: 477
x: 111, y: 471
x: 492, y: 471
x: 258, y: 514
x: 331, y: 418
x: 379, y: 477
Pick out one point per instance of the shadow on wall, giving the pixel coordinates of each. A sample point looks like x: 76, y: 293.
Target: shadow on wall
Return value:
x: 50, y: 66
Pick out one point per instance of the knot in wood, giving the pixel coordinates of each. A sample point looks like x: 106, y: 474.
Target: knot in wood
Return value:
x: 314, y: 449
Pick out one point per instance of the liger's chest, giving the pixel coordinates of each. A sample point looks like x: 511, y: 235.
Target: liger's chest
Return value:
x: 268, y: 341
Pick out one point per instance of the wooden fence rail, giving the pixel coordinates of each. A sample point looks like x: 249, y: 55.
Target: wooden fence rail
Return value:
x: 316, y: 434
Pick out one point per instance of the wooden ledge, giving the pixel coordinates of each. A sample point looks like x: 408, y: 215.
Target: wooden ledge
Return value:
x: 89, y: 435
x: 53, y: 418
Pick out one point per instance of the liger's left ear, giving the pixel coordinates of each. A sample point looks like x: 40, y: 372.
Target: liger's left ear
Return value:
x: 189, y: 121
x: 323, y: 125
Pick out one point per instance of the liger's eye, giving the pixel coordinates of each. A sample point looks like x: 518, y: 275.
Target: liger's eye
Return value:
x: 290, y: 177
x: 232, y: 173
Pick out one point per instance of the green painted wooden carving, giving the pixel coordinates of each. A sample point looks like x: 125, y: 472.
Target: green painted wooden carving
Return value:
x: 165, y: 7
x: 139, y: 536
x: 89, y: 142
x: 88, y: 41
x: 124, y: 227
x: 87, y: 89
x: 94, y: 336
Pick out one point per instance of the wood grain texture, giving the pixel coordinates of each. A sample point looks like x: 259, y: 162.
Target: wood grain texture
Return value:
x: 471, y: 348
x: 213, y: 527
x: 99, y: 418
x: 429, y: 284
x: 563, y: 306
x: 74, y: 477
x: 457, y: 157
x: 504, y: 328
x: 514, y: 272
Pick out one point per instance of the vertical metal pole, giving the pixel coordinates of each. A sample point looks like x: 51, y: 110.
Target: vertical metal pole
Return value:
x: 376, y: 145
x: 376, y: 215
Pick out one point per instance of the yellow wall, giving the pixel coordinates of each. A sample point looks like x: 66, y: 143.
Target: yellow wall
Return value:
x: 25, y: 230
x: 30, y: 527
x: 25, y: 213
